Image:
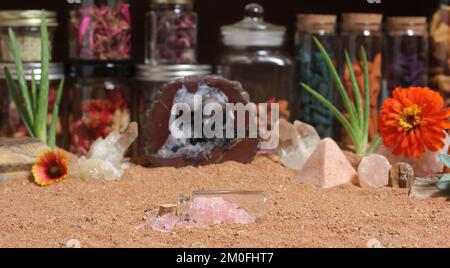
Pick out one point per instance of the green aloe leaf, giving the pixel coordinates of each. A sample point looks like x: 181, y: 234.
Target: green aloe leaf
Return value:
x: 42, y: 106
x: 445, y: 159
x: 366, y: 96
x: 52, y: 137
x: 348, y: 127
x: 444, y: 183
x: 356, y: 90
x: 20, y: 75
x: 342, y: 91
x: 13, y: 92
x: 375, y: 144
x: 33, y: 92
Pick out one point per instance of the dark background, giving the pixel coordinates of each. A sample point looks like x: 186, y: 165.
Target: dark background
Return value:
x: 215, y: 13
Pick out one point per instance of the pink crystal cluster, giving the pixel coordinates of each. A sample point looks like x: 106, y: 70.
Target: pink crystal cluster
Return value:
x: 203, y: 212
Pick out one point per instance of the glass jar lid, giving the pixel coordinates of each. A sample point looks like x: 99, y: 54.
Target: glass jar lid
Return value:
x: 55, y: 71
x: 26, y: 18
x: 253, y: 30
x: 164, y: 73
x: 410, y: 25
x: 93, y: 69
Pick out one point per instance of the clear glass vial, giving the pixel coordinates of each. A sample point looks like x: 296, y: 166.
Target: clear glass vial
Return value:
x: 406, y: 52
x: 26, y: 26
x: 440, y: 50
x: 254, y: 55
x: 252, y: 202
x: 313, y: 71
x: 364, y: 30
x: 171, y: 33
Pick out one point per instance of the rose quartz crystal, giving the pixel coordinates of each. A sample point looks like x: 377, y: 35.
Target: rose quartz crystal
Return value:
x: 203, y: 212
x: 373, y: 171
x: 327, y: 167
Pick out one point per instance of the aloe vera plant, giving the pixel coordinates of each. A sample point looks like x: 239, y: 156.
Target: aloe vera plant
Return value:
x: 357, y: 123
x: 444, y: 183
x: 32, y: 105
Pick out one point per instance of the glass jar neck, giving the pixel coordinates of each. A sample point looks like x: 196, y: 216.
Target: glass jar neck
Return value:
x: 408, y: 29
x: 321, y: 29
x: 254, y: 49
x: 365, y: 29
x: 172, y: 7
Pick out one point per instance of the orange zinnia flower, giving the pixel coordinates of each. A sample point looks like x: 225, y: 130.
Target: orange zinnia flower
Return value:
x: 412, y: 120
x: 51, y: 167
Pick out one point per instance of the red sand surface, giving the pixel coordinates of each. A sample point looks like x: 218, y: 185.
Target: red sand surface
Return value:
x: 106, y: 214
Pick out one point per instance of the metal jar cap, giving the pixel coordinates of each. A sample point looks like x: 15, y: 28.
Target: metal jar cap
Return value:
x: 20, y: 18
x: 164, y: 73
x: 55, y: 71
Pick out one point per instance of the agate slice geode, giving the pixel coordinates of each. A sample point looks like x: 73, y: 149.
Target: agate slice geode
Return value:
x: 160, y: 148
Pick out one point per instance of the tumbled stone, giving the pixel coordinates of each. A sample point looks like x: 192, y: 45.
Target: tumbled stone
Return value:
x: 327, y: 167
x: 426, y: 188
x: 428, y: 164
x: 296, y: 143
x: 373, y: 171
x: 401, y: 175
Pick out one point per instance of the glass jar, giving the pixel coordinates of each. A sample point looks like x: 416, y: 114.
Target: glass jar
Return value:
x: 100, y: 102
x: 100, y: 30
x: 313, y: 71
x: 250, y: 206
x: 364, y: 30
x: 171, y: 32
x: 254, y: 56
x: 440, y: 47
x: 10, y: 123
x: 148, y: 81
x: 26, y: 26
x: 406, y: 53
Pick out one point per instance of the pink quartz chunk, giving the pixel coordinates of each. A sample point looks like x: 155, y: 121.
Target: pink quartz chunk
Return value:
x: 203, y: 212
x: 373, y: 171
x: 327, y: 167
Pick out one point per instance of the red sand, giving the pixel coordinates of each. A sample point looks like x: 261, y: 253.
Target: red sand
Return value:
x: 105, y: 214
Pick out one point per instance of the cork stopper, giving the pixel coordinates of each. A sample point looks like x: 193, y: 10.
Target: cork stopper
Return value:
x: 362, y: 20
x: 314, y: 22
x: 398, y: 25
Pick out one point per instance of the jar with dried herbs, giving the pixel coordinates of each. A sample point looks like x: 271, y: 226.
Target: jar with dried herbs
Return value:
x: 364, y: 30
x: 406, y: 53
x: 26, y: 25
x: 171, y: 32
x: 100, y: 102
x: 10, y: 123
x: 440, y: 46
x: 100, y: 30
x: 313, y: 70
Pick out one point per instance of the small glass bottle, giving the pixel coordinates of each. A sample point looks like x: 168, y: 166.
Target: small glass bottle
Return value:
x: 406, y: 53
x: 10, y: 122
x: 210, y: 207
x: 26, y: 26
x: 364, y: 30
x: 313, y: 71
x: 100, y: 102
x: 100, y: 30
x: 254, y: 55
x: 171, y: 33
x: 440, y: 50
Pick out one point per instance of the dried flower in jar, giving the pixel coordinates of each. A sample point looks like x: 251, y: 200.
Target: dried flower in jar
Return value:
x: 101, y: 32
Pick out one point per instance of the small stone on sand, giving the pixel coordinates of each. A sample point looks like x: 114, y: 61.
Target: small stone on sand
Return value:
x: 73, y: 243
x: 373, y: 171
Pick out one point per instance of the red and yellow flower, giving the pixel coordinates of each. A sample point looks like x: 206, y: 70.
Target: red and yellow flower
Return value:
x: 51, y: 167
x: 413, y: 120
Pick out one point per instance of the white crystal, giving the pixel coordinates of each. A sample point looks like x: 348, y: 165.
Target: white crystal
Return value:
x: 373, y: 171
x: 104, y: 160
x: 296, y: 143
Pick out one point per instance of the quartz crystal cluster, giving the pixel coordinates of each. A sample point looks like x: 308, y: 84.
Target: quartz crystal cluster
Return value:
x: 105, y: 158
x: 203, y: 212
